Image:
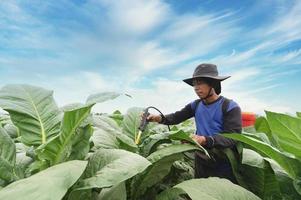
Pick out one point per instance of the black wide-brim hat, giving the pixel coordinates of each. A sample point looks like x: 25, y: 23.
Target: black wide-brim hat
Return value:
x: 205, y: 70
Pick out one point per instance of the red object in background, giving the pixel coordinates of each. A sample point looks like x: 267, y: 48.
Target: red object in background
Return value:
x: 248, y: 119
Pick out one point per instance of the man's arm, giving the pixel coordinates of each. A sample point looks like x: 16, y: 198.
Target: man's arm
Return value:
x: 178, y: 117
x: 232, y: 124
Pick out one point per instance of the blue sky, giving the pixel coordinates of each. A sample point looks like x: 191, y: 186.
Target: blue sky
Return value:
x: 145, y: 48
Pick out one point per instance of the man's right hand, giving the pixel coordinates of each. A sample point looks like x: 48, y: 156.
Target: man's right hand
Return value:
x: 154, y: 118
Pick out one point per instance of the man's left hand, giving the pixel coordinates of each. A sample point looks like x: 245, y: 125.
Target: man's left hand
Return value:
x: 200, y: 139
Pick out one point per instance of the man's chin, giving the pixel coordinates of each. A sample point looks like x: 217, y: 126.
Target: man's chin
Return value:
x: 200, y: 96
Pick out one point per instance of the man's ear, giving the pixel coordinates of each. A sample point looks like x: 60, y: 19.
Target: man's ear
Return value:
x: 213, y: 90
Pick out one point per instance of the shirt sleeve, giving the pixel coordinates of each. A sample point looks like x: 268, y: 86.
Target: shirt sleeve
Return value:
x: 179, y: 116
x: 232, y: 124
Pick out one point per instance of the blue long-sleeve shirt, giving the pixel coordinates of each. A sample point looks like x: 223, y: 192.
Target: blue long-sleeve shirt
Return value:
x: 210, y: 120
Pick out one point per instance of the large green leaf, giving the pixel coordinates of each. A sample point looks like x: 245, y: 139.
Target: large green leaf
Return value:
x: 109, y: 135
x: 8, y: 125
x: 12, y: 130
x: 81, y: 143
x: 171, y: 194
x: 290, y: 164
x: 117, y: 117
x: 262, y: 126
x: 210, y: 189
x: 178, y: 135
x: 150, y: 145
x: 117, y: 192
x: 7, y: 156
x: 103, y: 139
x: 126, y: 143
x: 287, y: 130
x: 235, y: 164
x: 162, y: 160
x: 5, y: 119
x: 260, y: 176
x: 182, y: 136
x: 33, y: 110
x: 50, y: 184
x: 106, y: 123
x: 131, y: 122
x: 102, y: 97
x: 298, y: 114
x: 105, y: 133
x: 59, y: 148
x: 108, y: 167
x: 22, y: 162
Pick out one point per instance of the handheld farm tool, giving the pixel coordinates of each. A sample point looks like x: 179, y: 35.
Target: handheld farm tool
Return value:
x: 144, y: 122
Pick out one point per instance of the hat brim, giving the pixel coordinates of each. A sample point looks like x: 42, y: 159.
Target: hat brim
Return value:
x: 219, y: 78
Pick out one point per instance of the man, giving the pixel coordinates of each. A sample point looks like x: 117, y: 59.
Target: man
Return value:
x: 214, y: 115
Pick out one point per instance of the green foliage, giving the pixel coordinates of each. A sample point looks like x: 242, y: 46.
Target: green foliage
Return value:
x: 277, y: 163
x: 50, y: 184
x: 7, y: 157
x: 94, y: 156
x: 33, y: 110
x: 208, y: 189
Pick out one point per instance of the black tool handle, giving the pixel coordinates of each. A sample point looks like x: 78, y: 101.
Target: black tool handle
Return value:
x: 144, y: 120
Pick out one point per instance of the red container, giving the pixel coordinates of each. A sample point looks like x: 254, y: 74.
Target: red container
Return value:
x: 248, y: 119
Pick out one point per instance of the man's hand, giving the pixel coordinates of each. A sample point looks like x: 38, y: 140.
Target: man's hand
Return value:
x: 154, y: 118
x: 200, y: 139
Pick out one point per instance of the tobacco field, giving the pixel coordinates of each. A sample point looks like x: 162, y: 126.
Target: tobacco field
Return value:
x: 50, y: 152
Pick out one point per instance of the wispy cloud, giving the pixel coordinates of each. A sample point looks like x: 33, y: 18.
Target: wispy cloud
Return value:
x: 82, y: 47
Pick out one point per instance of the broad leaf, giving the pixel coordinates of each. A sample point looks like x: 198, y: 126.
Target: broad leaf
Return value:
x: 131, y: 122
x: 235, y: 165
x: 171, y: 194
x: 33, y: 110
x: 211, y: 189
x: 81, y: 143
x: 50, y: 184
x: 109, y: 135
x: 262, y: 126
x: 108, y: 167
x: 5, y: 119
x: 22, y: 162
x: 106, y: 123
x: 117, y: 192
x: 290, y: 164
x: 102, y: 97
x: 162, y: 161
x: 287, y: 130
x: 297, y: 186
x: 117, y: 117
x: 179, y: 135
x: 126, y: 143
x: 260, y: 176
x: 103, y: 139
x: 7, y: 156
x: 105, y: 133
x: 12, y: 130
x: 59, y: 148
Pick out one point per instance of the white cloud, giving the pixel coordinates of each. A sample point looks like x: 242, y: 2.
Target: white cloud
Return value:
x: 288, y: 25
x: 241, y: 75
x: 197, y: 35
x: 135, y: 38
x: 136, y: 16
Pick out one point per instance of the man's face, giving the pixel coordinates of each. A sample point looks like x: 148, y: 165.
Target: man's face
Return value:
x: 201, y: 88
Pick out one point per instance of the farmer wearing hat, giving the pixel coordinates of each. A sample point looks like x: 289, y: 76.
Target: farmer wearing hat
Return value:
x: 214, y: 115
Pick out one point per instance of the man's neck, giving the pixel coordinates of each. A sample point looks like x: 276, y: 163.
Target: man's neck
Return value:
x: 211, y: 99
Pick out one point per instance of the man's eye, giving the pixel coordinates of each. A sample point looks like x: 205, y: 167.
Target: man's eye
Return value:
x: 197, y: 82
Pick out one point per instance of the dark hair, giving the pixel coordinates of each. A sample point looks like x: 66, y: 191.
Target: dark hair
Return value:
x: 216, y: 84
